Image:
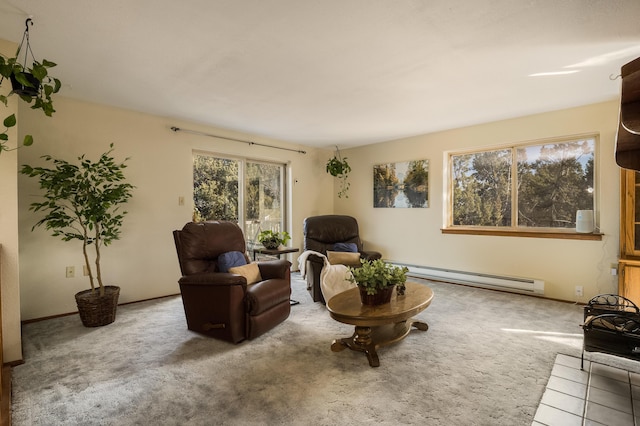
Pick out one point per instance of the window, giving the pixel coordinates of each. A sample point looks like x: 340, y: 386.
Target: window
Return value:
x: 244, y: 191
x: 538, y: 186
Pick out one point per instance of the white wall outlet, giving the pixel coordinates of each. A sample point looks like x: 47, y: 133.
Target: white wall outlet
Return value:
x: 579, y: 290
x: 181, y: 201
x: 70, y: 272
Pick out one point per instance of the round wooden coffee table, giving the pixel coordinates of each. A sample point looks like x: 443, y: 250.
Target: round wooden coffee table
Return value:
x: 378, y: 325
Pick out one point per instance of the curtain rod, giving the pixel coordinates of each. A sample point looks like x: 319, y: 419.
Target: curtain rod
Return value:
x: 195, y: 132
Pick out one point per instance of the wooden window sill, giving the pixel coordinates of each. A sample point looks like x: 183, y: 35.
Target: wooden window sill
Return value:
x: 560, y: 235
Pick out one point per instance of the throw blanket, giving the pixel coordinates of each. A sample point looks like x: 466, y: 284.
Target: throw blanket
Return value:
x: 333, y: 278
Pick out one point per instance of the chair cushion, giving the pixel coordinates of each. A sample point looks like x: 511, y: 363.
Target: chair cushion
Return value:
x: 343, y: 258
x: 230, y: 259
x: 345, y: 247
x: 250, y: 271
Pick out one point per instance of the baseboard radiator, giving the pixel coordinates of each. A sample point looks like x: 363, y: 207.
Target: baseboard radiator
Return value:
x: 496, y: 282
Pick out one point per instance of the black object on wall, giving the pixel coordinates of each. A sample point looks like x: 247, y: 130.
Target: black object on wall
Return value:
x: 628, y: 137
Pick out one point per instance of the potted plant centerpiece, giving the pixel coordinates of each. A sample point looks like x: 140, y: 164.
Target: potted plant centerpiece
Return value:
x: 83, y: 202
x: 376, y: 280
x: 272, y: 239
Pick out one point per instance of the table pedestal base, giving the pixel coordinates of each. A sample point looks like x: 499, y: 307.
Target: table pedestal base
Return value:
x: 369, y: 339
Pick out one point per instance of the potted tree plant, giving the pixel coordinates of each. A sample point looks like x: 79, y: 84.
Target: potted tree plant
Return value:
x: 31, y: 84
x: 339, y: 167
x: 376, y: 280
x: 272, y: 239
x: 83, y: 202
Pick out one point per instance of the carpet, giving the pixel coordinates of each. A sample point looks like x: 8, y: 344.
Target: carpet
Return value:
x: 485, y: 360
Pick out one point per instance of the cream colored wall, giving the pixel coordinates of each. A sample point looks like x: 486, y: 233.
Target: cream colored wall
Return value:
x: 143, y: 263
x: 413, y: 235
x: 9, y: 271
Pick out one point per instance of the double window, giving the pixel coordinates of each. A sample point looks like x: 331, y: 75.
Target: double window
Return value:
x: 537, y: 186
x: 249, y: 192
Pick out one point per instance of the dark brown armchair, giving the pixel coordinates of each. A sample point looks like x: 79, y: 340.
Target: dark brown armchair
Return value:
x: 321, y: 234
x: 222, y: 304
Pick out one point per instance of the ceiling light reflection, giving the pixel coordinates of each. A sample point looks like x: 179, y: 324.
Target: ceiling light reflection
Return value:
x: 545, y: 74
x: 607, y: 57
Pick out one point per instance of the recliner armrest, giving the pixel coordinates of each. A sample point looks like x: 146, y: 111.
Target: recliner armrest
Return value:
x: 315, y: 259
x: 370, y: 255
x: 270, y: 269
x: 213, y: 279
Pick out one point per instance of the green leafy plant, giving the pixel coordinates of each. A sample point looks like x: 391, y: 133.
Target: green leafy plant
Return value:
x: 37, y: 88
x: 378, y: 274
x: 339, y: 167
x: 82, y: 202
x: 273, y: 239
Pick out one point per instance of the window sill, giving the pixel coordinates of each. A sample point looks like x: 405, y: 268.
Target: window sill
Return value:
x: 560, y: 235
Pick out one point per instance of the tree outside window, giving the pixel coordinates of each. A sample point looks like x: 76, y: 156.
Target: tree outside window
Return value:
x: 532, y: 186
x: 219, y: 185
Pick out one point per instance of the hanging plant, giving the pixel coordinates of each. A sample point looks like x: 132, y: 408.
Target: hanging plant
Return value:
x: 31, y: 84
x: 339, y: 167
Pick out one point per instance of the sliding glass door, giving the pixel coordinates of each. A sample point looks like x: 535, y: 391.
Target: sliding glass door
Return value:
x: 248, y: 192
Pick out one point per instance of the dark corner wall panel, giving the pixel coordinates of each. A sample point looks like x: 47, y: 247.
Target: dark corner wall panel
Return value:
x: 628, y: 137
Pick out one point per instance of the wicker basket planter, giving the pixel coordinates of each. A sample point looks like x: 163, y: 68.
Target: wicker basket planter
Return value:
x: 96, y: 311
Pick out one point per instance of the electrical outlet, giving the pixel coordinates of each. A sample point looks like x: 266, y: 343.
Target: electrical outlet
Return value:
x: 70, y: 272
x: 181, y: 201
x: 579, y: 290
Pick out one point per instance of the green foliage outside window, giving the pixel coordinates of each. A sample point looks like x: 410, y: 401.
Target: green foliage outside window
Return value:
x: 215, y: 188
x: 219, y: 185
x: 552, y: 182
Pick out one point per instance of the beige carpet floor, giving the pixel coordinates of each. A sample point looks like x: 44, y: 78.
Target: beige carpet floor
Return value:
x: 485, y: 360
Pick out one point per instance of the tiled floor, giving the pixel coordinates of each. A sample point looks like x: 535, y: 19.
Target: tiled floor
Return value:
x: 599, y: 395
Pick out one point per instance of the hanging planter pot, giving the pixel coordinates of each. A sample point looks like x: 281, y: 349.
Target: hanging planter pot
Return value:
x: 32, y: 83
x: 339, y: 167
x: 21, y: 88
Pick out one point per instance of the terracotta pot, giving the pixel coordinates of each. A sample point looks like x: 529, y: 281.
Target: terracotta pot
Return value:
x: 380, y: 298
x: 96, y: 311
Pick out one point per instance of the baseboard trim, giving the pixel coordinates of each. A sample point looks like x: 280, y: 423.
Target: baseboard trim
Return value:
x: 29, y: 321
x: 5, y: 403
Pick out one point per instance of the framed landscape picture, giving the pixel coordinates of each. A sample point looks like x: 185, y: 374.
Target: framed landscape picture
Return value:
x: 401, y: 185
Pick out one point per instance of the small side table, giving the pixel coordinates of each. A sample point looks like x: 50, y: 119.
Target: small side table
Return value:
x: 276, y: 252
x: 273, y: 252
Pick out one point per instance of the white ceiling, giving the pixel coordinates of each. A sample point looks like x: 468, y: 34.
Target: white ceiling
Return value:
x: 332, y: 72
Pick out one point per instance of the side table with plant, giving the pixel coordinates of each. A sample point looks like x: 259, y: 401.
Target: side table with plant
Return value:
x: 273, y: 239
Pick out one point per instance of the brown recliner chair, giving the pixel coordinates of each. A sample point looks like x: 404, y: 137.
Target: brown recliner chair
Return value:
x: 221, y: 304
x: 321, y: 233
